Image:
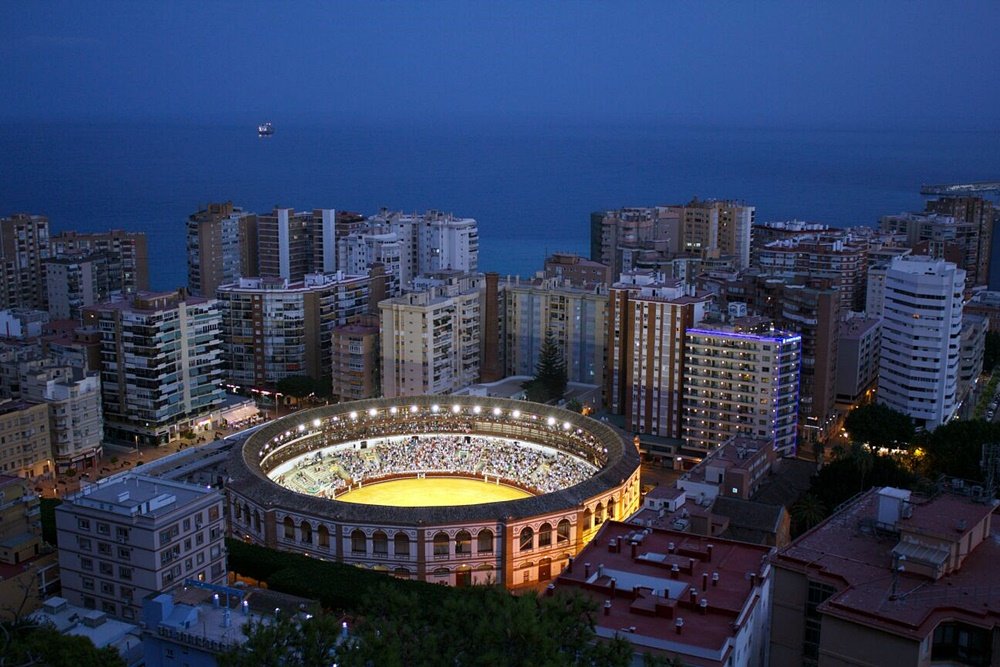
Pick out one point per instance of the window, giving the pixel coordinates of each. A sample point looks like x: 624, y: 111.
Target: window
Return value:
x: 960, y: 643
x: 401, y: 545
x: 527, y: 540
x: 107, y: 569
x: 88, y: 583
x: 441, y: 545
x: 168, y: 534
x: 545, y: 535
x: 121, y: 533
x: 484, y: 541
x: 124, y: 554
x: 83, y: 524
x: 104, y: 548
x: 89, y: 602
x: 103, y: 529
x: 83, y: 543
x: 380, y: 543
x: 213, y: 513
x: 289, y: 527
x: 562, y: 531
x: 125, y: 573
x: 86, y: 564
x: 359, y: 542
x: 817, y: 593
x: 107, y: 588
x: 187, y: 525
x: 108, y: 607
x: 463, y: 542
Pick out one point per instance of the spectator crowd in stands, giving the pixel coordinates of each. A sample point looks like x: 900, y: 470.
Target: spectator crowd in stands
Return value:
x: 542, y: 469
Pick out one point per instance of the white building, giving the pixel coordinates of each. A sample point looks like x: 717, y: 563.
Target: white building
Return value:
x: 133, y: 535
x: 431, y: 339
x: 76, y: 424
x: 921, y: 335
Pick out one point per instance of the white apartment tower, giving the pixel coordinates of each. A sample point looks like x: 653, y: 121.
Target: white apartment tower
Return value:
x: 921, y: 337
x: 132, y: 535
x: 431, y: 339
x: 428, y: 243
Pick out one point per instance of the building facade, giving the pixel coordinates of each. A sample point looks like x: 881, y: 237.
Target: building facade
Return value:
x: 28, y: 569
x: 648, y: 317
x: 221, y: 247
x: 921, y: 337
x: 356, y: 356
x: 161, y: 364
x: 131, y: 536
x: 76, y: 281
x: 741, y: 383
x: 575, y: 317
x: 292, y: 244
x: 431, y: 339
x: 274, y: 328
x: 24, y: 247
x: 127, y: 253
x: 858, y: 353
x: 25, y: 444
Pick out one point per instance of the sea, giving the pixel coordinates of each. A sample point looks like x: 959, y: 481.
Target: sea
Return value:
x: 530, y: 185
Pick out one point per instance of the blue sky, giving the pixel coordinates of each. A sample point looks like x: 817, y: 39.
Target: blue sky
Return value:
x: 714, y: 63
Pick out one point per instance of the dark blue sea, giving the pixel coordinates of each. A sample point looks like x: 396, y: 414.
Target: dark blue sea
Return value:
x: 530, y: 186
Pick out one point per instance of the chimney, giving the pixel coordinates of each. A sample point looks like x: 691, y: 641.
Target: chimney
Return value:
x: 715, y: 579
x: 607, y: 607
x: 679, y: 625
x: 704, y: 581
x: 691, y: 565
x: 709, y: 548
x: 674, y: 571
x: 633, y: 546
x: 550, y: 590
x: 703, y: 605
x: 614, y: 585
x: 692, y: 594
x: 569, y: 565
x: 600, y: 570
x: 671, y: 547
x: 753, y: 579
x: 612, y: 545
x: 586, y: 570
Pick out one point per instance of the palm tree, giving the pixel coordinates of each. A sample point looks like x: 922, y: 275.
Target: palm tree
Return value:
x: 808, y: 511
x: 863, y: 460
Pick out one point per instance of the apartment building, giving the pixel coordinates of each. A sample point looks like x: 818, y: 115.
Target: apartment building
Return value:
x: 131, y: 536
x: 75, y: 281
x: 618, y: 237
x: 575, y: 317
x: 970, y: 353
x: 577, y: 271
x: 25, y: 444
x: 765, y: 233
x: 292, y: 244
x: 981, y: 213
x: 892, y: 578
x: 648, y: 317
x: 921, y: 337
x: 858, y: 353
x: 943, y: 237
x: 28, y: 569
x: 718, y: 228
x: 431, y: 339
x: 738, y: 382
x: 221, y: 247
x: 356, y: 356
x: 274, y: 328
x: 73, y: 397
x: 161, y: 364
x: 24, y: 247
x: 127, y: 253
x: 833, y: 258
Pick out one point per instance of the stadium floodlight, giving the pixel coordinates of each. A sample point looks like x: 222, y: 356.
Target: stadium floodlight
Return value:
x: 354, y: 415
x: 566, y: 426
x: 435, y: 408
x: 496, y: 412
x: 516, y: 414
x: 316, y: 423
x: 302, y: 427
x: 477, y: 409
x: 456, y: 408
x: 551, y: 421
x: 372, y: 412
x: 413, y: 408
x: 393, y: 410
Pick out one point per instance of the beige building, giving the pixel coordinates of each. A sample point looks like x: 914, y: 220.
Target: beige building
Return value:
x: 431, y: 339
x: 25, y: 445
x: 127, y: 252
x: 857, y: 360
x: 24, y: 246
x: 356, y: 354
x: 741, y: 383
x: 577, y: 271
x: 274, y: 328
x: 76, y: 281
x: 221, y: 247
x: 131, y: 535
x: 574, y: 316
x: 718, y: 228
x: 893, y: 578
x: 292, y: 244
x: 647, y: 319
x: 28, y: 570
x: 73, y: 397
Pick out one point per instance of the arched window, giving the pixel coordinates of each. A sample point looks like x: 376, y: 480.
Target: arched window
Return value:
x: 588, y: 518
x: 441, y: 545
x: 401, y: 572
x: 256, y: 520
x: 484, y: 541
x: 401, y: 546
x: 562, y: 532
x: 359, y: 543
x: 305, y: 533
x: 611, y: 509
x: 442, y: 572
x: 463, y: 542
x: 599, y: 514
x: 527, y: 539
x: 247, y: 519
x: 380, y: 543
x: 323, y: 533
x: 545, y: 535
x: 289, y: 526
x: 239, y: 512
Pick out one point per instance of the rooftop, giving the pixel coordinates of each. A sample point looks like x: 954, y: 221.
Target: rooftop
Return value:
x: 648, y: 581
x: 853, y: 551
x: 92, y: 624
x: 135, y: 494
x: 857, y: 327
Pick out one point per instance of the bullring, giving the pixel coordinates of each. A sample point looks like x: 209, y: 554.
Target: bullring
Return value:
x: 514, y: 542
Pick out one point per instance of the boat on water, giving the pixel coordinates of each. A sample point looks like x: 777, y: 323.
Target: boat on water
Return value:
x: 265, y: 130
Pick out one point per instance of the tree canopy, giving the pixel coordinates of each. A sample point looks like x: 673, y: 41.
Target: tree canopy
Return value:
x: 25, y: 644
x: 549, y: 383
x: 879, y: 426
x: 955, y: 448
x: 301, y: 386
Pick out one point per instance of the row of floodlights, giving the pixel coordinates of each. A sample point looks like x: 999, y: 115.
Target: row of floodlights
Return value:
x: 497, y: 412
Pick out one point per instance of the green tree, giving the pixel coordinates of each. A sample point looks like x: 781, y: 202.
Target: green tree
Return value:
x: 991, y: 355
x: 301, y: 386
x: 25, y: 644
x: 286, y: 639
x: 550, y: 378
x: 955, y: 448
x: 808, y: 511
x: 879, y: 426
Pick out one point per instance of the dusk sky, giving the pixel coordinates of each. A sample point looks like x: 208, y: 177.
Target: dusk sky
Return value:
x: 757, y: 63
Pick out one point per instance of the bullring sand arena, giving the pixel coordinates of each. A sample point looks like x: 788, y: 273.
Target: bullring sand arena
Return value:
x: 455, y: 490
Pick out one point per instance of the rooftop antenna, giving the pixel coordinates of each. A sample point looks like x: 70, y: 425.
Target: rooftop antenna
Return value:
x: 898, y: 566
